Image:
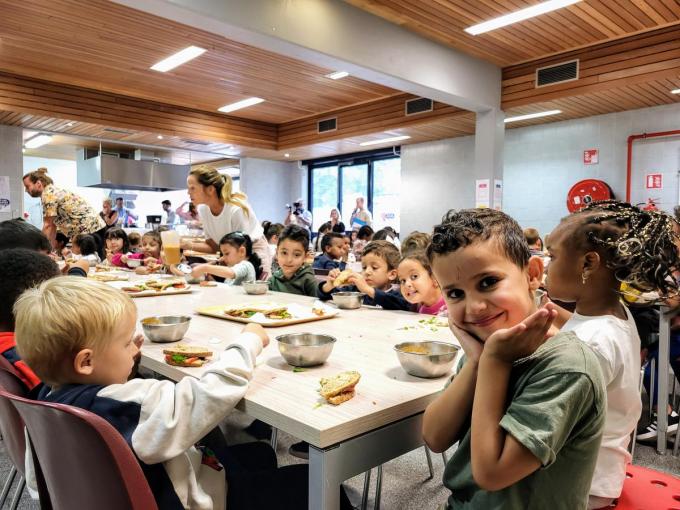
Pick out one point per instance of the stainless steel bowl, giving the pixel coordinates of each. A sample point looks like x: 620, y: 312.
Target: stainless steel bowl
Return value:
x: 134, y: 262
x: 430, y: 359
x: 256, y: 287
x: 165, y: 328
x: 348, y: 300
x: 191, y: 280
x: 305, y: 349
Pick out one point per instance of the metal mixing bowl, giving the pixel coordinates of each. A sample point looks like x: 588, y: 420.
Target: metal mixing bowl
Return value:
x: 256, y: 287
x: 305, y: 349
x: 348, y: 300
x: 436, y: 360
x: 165, y: 328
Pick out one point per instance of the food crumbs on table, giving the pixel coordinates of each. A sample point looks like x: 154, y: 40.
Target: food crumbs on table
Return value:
x: 374, y: 403
x: 317, y: 405
x: 299, y: 369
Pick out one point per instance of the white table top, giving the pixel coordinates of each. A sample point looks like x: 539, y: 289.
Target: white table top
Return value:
x: 289, y: 400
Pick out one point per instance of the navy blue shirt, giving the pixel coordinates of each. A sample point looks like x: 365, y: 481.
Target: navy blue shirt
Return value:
x: 323, y: 261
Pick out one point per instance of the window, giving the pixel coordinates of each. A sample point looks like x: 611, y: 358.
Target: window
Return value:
x: 336, y: 184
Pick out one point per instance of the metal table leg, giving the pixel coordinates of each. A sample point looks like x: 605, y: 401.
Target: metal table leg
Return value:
x: 662, y: 369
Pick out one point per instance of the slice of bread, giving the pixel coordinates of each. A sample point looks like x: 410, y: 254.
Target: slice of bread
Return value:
x: 341, y: 383
x: 195, y: 363
x: 342, y: 397
x: 342, y: 278
x: 189, y: 350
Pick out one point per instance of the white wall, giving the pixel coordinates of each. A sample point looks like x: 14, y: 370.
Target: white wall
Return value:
x: 10, y: 166
x: 541, y: 163
x: 270, y: 185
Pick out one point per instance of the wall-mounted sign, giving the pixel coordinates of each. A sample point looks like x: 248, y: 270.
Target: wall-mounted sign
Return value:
x: 654, y: 181
x: 590, y: 156
x: 4, y: 194
x: 497, y: 194
x: 482, y: 193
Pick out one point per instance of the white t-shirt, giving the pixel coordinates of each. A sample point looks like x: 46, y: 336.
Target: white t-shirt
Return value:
x: 244, y: 272
x: 617, y: 345
x: 231, y: 219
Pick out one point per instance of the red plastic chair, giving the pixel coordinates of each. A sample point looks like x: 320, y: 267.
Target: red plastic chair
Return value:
x: 12, y: 430
x: 81, y: 460
x: 646, y: 489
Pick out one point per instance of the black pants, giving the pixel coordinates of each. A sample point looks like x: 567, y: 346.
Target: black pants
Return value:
x: 100, y: 239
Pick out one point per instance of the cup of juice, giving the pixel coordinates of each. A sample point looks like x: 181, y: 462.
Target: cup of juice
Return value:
x: 170, y: 240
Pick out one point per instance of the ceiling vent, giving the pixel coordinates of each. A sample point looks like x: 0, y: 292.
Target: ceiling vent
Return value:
x: 418, y: 105
x: 558, y: 73
x: 324, y: 126
x: 195, y: 142
x: 118, y: 131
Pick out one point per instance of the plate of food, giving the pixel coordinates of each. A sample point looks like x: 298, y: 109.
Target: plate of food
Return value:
x: 110, y: 277
x: 270, y: 314
x: 156, y: 287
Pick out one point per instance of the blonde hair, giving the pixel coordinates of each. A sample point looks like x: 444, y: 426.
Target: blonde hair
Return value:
x: 62, y: 316
x: 415, y: 241
x: 108, y: 201
x: 208, y: 176
x: 39, y: 175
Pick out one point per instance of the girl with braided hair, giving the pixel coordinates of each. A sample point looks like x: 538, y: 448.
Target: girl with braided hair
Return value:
x: 593, y: 252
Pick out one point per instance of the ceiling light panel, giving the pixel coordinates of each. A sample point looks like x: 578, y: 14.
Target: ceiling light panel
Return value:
x: 179, y: 58
x: 240, y: 104
x: 521, y: 15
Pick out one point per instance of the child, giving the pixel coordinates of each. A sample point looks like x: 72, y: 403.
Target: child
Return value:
x: 324, y: 229
x: 376, y: 281
x: 387, y: 234
x: 348, y: 257
x: 415, y: 241
x: 293, y: 275
x: 364, y: 237
x: 272, y: 233
x: 117, y: 245
x: 528, y: 410
x: 592, y: 252
x: 84, y: 247
x: 18, y: 233
x: 333, y: 248
x: 21, y: 270
x: 239, y: 262
x: 150, y: 254
x: 418, y: 286
x: 61, y: 242
x: 135, y: 239
x: 88, y: 327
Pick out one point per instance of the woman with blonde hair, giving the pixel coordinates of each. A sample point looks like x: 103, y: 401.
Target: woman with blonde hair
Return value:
x: 108, y: 213
x: 223, y: 211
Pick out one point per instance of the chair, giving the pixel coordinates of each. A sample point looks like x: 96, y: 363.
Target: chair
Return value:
x: 12, y: 429
x: 646, y: 489
x: 81, y: 461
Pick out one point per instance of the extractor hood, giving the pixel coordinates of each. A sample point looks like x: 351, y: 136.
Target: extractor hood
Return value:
x: 110, y: 171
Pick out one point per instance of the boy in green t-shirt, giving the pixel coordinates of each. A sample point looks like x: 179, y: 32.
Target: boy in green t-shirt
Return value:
x: 528, y: 404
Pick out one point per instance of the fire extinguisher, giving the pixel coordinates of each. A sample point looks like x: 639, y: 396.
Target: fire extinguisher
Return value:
x: 651, y: 205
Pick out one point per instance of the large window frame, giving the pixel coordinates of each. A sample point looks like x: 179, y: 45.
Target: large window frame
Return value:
x: 368, y: 158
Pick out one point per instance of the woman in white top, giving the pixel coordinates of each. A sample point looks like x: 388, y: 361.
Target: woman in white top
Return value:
x: 222, y: 211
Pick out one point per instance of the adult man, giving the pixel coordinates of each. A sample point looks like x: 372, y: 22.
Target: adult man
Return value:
x: 63, y: 210
x: 360, y: 216
x: 124, y: 214
x: 298, y: 215
x: 170, y: 214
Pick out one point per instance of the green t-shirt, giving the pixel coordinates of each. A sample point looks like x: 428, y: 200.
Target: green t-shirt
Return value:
x: 302, y: 282
x: 556, y: 409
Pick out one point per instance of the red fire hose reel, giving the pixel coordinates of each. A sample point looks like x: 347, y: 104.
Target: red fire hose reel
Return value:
x: 584, y: 192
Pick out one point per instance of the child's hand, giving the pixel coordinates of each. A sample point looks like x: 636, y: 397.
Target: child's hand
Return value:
x: 142, y: 270
x: 523, y: 339
x: 82, y: 264
x: 333, y: 273
x: 109, y: 256
x: 124, y: 259
x: 359, y: 282
x: 150, y: 261
x: 138, y: 340
x: 199, y: 270
x: 259, y: 331
x: 472, y: 347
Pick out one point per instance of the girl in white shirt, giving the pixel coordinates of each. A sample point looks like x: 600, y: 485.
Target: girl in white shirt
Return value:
x: 591, y: 253
x: 238, y: 263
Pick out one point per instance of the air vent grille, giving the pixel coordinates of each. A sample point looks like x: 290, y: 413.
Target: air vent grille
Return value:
x: 328, y: 125
x: 119, y: 131
x: 418, y: 105
x: 559, y: 73
x: 195, y: 142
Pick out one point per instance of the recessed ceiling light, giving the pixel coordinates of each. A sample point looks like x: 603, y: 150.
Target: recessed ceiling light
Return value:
x: 675, y: 91
x: 532, y: 116
x: 385, y: 140
x: 286, y: 155
x: 337, y: 75
x: 521, y: 15
x: 37, y: 141
x: 240, y: 104
x: 70, y: 124
x: 160, y: 137
x: 179, y: 58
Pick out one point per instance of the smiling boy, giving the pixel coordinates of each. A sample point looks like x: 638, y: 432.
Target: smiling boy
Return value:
x: 293, y: 275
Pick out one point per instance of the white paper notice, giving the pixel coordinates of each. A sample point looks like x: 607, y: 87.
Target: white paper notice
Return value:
x: 482, y: 193
x: 4, y: 194
x: 497, y: 194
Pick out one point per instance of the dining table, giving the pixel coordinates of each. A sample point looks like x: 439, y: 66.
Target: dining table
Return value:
x: 381, y: 422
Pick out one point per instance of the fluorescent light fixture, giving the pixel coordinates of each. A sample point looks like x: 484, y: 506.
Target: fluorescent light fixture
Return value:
x: 385, y: 140
x: 240, y: 104
x: 521, y: 15
x: 286, y: 155
x: 532, y: 116
x: 179, y: 58
x: 337, y: 75
x: 160, y: 137
x: 675, y: 91
x: 37, y: 141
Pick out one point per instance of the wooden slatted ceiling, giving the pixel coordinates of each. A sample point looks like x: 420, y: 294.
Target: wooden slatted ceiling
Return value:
x: 579, y: 25
x: 104, y: 46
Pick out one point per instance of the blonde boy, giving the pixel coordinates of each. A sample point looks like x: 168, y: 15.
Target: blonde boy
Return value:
x: 528, y: 408
x: 77, y: 335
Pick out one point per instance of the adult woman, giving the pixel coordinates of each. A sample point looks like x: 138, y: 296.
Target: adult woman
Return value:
x: 190, y: 215
x: 222, y: 211
x: 336, y: 224
x: 108, y: 213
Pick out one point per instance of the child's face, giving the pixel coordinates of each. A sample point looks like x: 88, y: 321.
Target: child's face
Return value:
x: 231, y: 255
x: 354, y: 235
x: 347, y: 245
x: 112, y: 364
x: 336, y: 249
x: 417, y: 286
x: 290, y: 255
x: 114, y: 244
x: 376, y: 272
x: 150, y: 247
x: 75, y: 249
x: 564, y: 271
x: 484, y: 290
